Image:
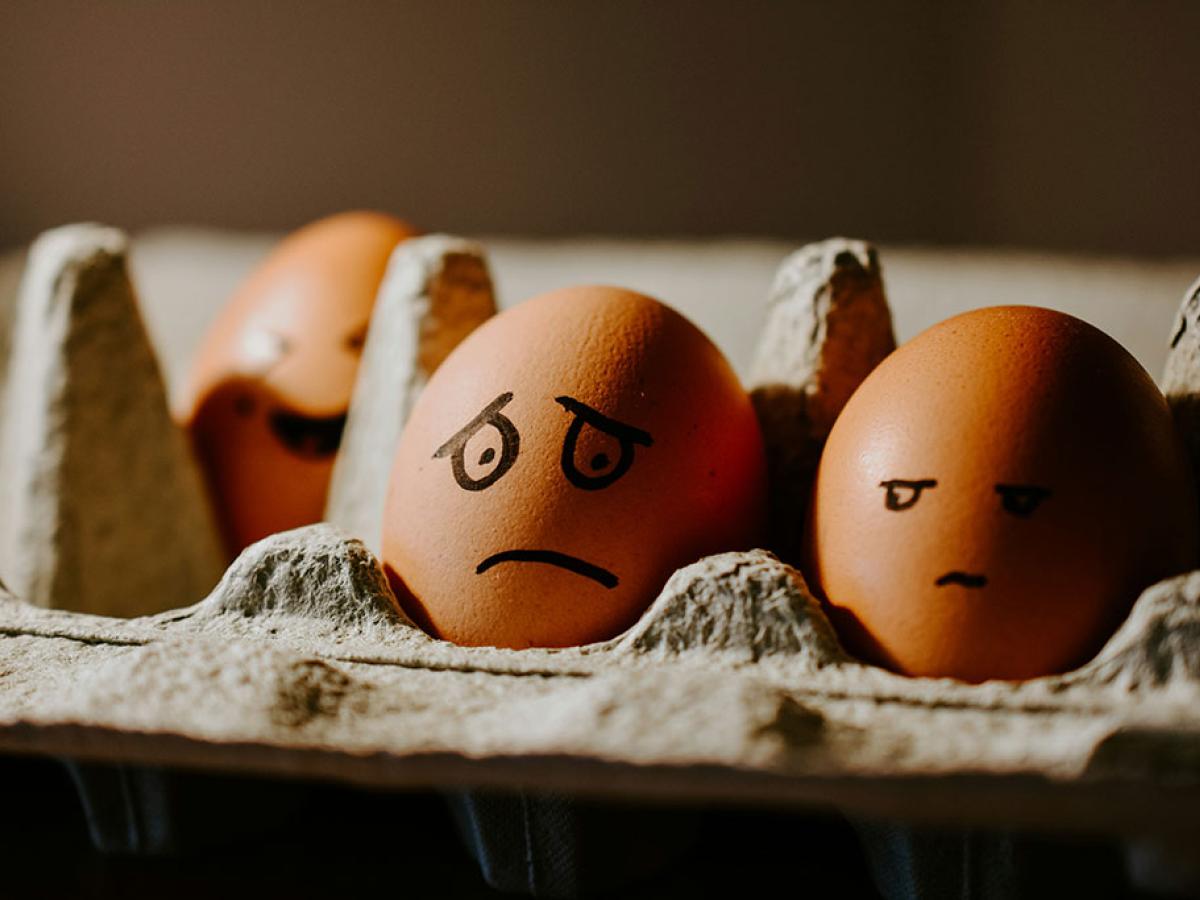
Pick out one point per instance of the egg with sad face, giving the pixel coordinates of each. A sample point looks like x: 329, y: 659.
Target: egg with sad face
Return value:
x: 994, y: 497
x: 562, y: 462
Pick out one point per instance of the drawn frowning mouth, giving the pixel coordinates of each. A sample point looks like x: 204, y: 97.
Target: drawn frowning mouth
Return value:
x: 966, y: 579
x: 311, y: 438
x: 553, y: 558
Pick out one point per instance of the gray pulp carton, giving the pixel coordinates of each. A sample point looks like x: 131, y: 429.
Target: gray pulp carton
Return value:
x: 731, y: 687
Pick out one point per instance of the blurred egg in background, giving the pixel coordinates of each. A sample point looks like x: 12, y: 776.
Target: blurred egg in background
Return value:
x: 270, y: 387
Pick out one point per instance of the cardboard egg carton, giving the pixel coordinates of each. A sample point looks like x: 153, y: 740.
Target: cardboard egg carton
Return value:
x: 731, y: 687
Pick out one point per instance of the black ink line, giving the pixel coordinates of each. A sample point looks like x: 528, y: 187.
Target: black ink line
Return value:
x: 598, y: 420
x: 894, y: 502
x: 554, y: 558
x: 626, y: 435
x: 963, y: 578
x: 456, y: 447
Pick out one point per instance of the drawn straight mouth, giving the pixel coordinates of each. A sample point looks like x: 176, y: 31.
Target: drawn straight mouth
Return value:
x: 554, y: 558
x: 964, y: 578
x: 306, y: 436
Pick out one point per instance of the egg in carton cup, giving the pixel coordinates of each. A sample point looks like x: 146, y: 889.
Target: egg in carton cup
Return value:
x: 731, y: 686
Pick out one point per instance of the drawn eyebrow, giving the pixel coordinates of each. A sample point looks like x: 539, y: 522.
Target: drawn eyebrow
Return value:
x: 455, y: 447
x: 597, y: 419
x: 627, y: 436
x: 460, y: 437
x: 894, y: 502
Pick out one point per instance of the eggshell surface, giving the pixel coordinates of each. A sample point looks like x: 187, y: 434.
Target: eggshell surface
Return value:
x: 565, y: 459
x: 994, y: 497
x: 270, y: 387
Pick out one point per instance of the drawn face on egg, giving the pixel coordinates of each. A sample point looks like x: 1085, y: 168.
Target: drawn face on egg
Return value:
x: 600, y: 470
x: 994, y: 497
x: 272, y: 383
x: 1020, y: 500
x: 561, y: 464
x: 302, y: 415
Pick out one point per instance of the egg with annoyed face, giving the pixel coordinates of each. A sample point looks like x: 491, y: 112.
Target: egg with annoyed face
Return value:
x: 562, y: 462
x: 994, y: 497
x: 270, y: 388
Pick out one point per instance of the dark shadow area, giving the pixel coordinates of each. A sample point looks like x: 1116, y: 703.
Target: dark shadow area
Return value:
x: 204, y: 835
x: 255, y: 838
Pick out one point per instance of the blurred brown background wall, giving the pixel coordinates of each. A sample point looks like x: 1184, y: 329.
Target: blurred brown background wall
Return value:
x: 1064, y: 125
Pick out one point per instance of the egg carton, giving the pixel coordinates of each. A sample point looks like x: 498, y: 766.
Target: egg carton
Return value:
x: 731, y: 687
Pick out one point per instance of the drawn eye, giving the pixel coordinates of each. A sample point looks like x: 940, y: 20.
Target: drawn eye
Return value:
x: 1021, y: 499
x: 483, y: 449
x: 902, y: 494
x: 356, y: 339
x: 595, y: 458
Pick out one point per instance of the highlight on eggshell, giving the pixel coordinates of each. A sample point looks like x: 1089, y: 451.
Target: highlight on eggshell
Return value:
x: 563, y: 461
x: 994, y: 497
x: 270, y: 387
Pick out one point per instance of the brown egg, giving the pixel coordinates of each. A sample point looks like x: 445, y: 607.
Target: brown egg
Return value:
x: 565, y: 459
x: 995, y: 495
x: 270, y: 387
